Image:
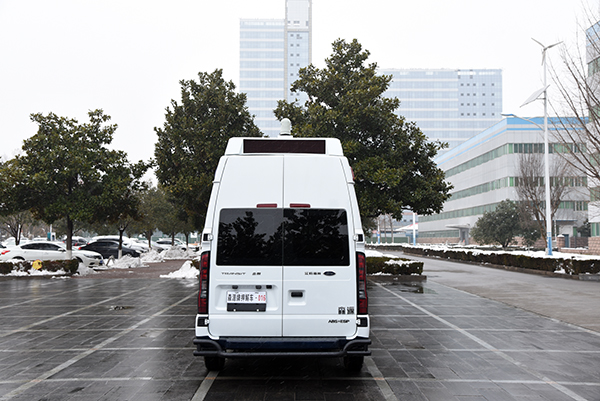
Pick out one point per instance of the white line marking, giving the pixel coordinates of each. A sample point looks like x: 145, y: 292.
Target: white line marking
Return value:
x: 90, y: 351
x: 489, y: 347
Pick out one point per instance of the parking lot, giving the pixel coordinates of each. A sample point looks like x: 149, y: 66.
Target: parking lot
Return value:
x: 116, y: 337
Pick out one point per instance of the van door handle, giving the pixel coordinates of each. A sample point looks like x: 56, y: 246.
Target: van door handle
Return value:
x: 296, y: 294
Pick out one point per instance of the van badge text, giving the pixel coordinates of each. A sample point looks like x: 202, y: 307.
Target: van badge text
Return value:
x: 312, y: 273
x: 338, y: 321
x: 233, y: 273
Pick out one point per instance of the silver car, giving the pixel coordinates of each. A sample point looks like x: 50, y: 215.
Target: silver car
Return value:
x: 44, y: 250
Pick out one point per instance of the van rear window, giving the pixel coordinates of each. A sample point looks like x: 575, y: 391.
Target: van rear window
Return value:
x: 275, y: 237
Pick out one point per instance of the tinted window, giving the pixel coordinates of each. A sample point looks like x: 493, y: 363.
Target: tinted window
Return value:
x: 273, y: 237
x: 249, y: 237
x: 316, y: 237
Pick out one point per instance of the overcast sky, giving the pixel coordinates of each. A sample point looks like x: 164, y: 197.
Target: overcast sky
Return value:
x: 128, y: 56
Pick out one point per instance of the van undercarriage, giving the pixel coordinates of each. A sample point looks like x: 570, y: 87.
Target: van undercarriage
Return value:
x: 244, y: 347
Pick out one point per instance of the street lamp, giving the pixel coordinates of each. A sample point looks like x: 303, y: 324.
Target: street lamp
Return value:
x: 546, y: 172
x: 533, y: 97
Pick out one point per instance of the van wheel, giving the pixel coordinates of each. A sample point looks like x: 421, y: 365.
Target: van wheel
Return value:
x: 353, y: 363
x: 214, y: 363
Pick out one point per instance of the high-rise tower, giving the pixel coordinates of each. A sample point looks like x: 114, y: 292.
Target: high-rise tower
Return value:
x: 272, y: 52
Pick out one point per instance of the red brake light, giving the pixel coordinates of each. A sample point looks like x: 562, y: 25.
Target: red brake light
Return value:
x: 300, y: 205
x: 5, y: 251
x: 361, y: 278
x: 203, y: 292
x: 262, y: 205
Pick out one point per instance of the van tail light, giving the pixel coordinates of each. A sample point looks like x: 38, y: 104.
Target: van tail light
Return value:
x: 361, y: 278
x: 203, y: 292
x: 5, y: 251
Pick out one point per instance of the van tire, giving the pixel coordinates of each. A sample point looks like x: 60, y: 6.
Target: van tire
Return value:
x: 214, y: 363
x: 353, y: 363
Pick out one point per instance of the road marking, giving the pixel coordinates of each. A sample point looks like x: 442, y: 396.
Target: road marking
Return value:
x: 37, y: 323
x: 381, y: 381
x: 44, y: 376
x: 207, y: 382
x: 488, y: 346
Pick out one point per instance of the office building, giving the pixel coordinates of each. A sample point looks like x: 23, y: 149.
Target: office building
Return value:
x: 484, y: 171
x: 271, y: 53
x: 448, y: 105
x: 593, y: 63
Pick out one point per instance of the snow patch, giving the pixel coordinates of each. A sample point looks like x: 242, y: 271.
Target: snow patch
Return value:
x: 126, y: 262
x: 185, y: 271
x: 175, y: 252
x: 152, y: 256
x: 369, y: 253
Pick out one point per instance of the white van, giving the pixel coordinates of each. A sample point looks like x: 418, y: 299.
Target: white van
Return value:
x: 283, y: 270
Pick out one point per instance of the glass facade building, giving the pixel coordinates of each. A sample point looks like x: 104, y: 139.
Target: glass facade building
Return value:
x: 485, y: 170
x: 448, y: 105
x: 272, y: 52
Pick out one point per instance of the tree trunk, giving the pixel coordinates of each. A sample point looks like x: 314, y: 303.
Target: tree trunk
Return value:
x: 69, y: 237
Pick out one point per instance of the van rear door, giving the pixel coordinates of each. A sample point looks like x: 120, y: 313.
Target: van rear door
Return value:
x: 319, y: 274
x: 246, y: 271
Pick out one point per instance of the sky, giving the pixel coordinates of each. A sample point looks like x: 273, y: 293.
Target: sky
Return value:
x: 128, y: 56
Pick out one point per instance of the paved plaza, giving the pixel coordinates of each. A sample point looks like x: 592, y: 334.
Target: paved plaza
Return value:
x: 114, y: 337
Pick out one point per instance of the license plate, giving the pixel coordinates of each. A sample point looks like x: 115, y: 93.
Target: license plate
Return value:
x: 246, y: 301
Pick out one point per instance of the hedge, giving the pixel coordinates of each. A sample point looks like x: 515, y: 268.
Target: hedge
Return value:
x: 395, y: 266
x: 570, y: 266
x: 69, y: 266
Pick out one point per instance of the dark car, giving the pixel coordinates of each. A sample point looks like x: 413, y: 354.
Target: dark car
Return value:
x: 108, y: 248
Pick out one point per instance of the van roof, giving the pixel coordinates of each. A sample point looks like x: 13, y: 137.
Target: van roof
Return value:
x: 284, y: 145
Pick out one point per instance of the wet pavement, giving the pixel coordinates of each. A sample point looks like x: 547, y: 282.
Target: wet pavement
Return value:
x: 108, y: 337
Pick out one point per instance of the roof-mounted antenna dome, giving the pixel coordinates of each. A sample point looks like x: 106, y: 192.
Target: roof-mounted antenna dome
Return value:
x: 286, y: 127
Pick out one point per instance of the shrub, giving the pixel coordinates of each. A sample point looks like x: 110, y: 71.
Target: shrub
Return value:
x: 570, y: 266
x: 6, y: 267
x: 393, y: 266
x: 68, y: 266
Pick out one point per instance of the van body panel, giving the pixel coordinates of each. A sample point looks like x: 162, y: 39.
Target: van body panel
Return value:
x: 248, y: 185
x: 306, y: 184
x: 283, y: 230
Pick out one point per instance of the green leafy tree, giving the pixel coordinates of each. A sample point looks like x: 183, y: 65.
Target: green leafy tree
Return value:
x: 499, y: 226
x: 391, y: 158
x: 194, y: 137
x: 66, y: 171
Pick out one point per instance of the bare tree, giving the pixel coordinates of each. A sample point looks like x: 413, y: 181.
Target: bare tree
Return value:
x: 16, y: 223
x: 531, y: 190
x: 578, y: 81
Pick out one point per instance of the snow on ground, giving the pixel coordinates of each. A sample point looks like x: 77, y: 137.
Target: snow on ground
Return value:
x: 478, y: 250
x: 126, y: 262
x: 152, y: 256
x: 176, y: 253
x: 533, y: 254
x: 83, y: 270
x: 185, y: 271
x: 370, y: 253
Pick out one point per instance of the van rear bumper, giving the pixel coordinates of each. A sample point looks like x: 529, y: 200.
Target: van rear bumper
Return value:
x: 243, y: 347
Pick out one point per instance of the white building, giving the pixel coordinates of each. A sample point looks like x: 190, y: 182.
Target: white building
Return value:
x: 271, y: 53
x: 448, y: 105
x: 484, y: 171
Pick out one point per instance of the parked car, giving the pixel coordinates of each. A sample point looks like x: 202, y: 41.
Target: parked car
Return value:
x: 127, y: 242
x: 11, y: 242
x: 50, y: 251
x: 166, y: 242
x: 3, y: 250
x: 108, y: 248
x: 78, y: 242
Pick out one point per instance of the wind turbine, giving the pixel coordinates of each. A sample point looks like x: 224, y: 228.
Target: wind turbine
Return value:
x: 533, y: 97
